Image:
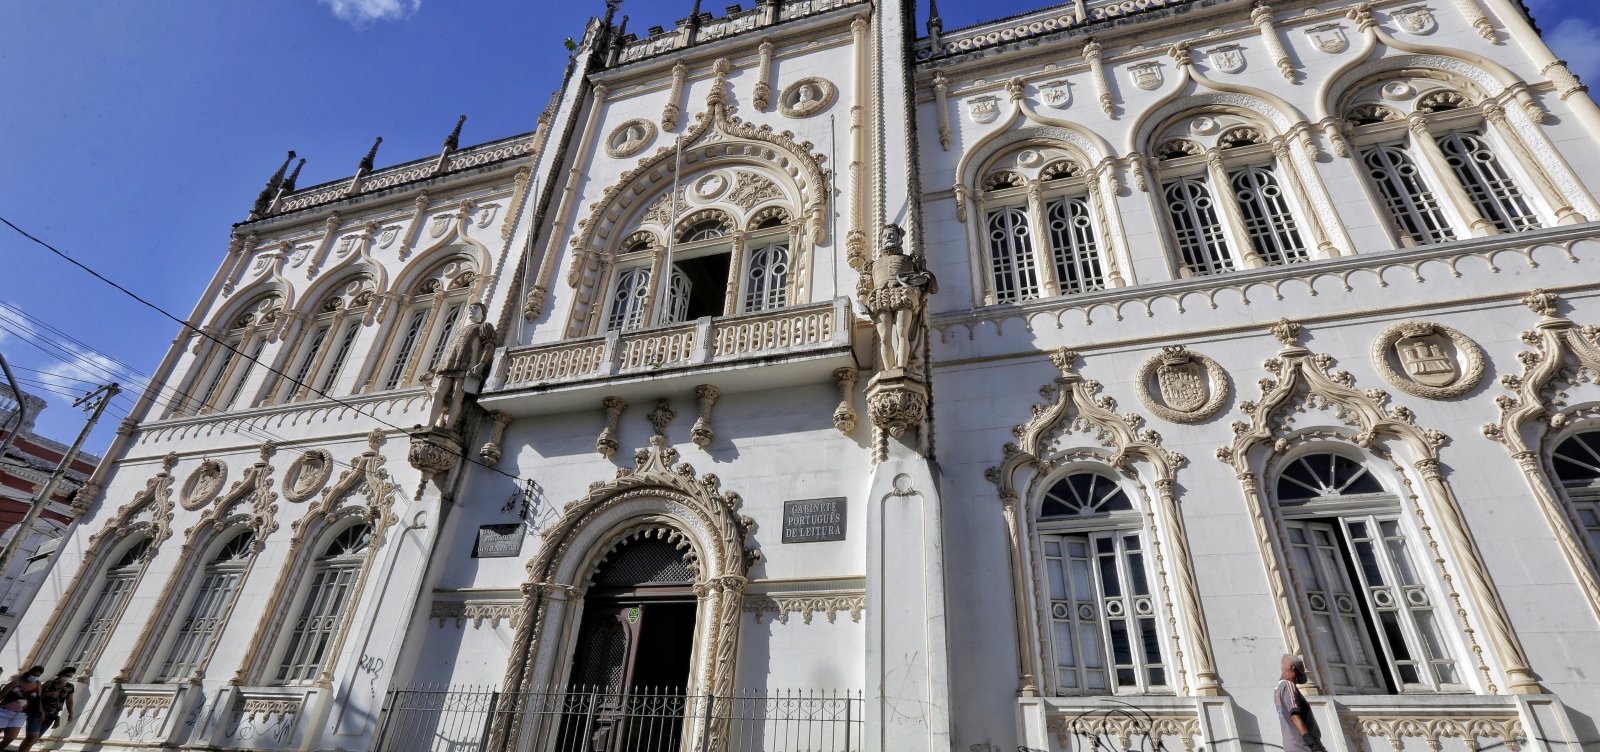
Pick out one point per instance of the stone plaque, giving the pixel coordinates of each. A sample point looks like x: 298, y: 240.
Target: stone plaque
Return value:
x: 496, y: 541
x: 813, y: 520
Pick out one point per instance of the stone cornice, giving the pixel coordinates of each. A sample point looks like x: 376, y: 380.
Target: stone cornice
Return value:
x: 1273, y: 278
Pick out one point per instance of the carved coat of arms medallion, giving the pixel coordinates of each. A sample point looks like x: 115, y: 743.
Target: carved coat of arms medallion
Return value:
x: 203, y: 484
x: 307, y: 475
x: 1416, y: 19
x: 1146, y: 76
x: 984, y: 110
x: 1182, y: 386
x: 1228, y: 58
x: 386, y: 238
x: 1428, y: 360
x: 1056, y: 94
x: 1329, y: 38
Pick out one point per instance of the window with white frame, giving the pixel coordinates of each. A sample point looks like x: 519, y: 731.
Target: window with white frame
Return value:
x: 328, y: 339
x: 717, y: 270
x: 222, y: 379
x: 328, y: 597
x: 437, y: 302
x: 1434, y: 162
x: 1373, y: 620
x: 116, y: 586
x: 1104, y: 618
x: 1577, y: 465
x: 219, y: 586
x: 1229, y: 195
x: 1040, y: 225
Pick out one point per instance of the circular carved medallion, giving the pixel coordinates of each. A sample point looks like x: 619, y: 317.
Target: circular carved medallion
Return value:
x: 806, y: 97
x: 203, y: 484
x: 1428, y: 360
x: 307, y: 474
x: 630, y: 138
x: 1182, y: 386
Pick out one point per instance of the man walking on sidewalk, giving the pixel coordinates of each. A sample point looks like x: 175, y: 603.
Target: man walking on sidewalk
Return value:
x: 1294, y: 713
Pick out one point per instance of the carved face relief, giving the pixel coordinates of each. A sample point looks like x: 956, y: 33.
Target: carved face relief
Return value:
x: 307, y: 474
x: 1182, y: 386
x: 1146, y: 76
x: 1428, y: 360
x: 630, y: 138
x: 1056, y: 94
x: 1228, y: 58
x: 203, y: 484
x: 1416, y: 19
x: 806, y: 97
x: 984, y: 110
x: 1329, y: 38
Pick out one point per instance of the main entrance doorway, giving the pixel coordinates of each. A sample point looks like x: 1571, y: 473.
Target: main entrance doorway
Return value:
x: 630, y: 668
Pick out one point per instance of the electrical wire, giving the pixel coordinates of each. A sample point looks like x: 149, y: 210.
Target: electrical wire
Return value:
x: 158, y: 309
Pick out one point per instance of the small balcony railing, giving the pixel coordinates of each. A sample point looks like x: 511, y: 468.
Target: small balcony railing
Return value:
x: 797, y: 330
x: 654, y: 719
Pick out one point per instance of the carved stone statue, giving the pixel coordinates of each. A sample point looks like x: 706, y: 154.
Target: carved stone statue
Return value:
x: 898, y: 295
x: 468, y: 358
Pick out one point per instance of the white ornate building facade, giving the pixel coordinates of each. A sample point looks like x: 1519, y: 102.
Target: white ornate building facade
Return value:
x: 1035, y: 384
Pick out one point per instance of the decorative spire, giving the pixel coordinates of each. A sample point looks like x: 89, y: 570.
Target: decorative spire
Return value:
x: 366, y: 162
x: 452, y: 141
x: 288, y: 183
x: 264, y: 199
x: 935, y: 23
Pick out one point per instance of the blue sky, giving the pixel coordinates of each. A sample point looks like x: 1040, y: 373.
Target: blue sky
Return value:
x: 136, y: 133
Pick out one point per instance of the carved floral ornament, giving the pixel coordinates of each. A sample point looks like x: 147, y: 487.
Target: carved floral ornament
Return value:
x: 807, y: 97
x: 203, y: 484
x: 1428, y: 360
x: 659, y: 495
x: 1301, y: 382
x: 630, y: 138
x: 1182, y: 386
x: 1059, y: 435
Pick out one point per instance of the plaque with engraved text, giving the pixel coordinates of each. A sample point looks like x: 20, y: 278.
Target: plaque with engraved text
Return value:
x: 814, y: 520
x: 496, y: 541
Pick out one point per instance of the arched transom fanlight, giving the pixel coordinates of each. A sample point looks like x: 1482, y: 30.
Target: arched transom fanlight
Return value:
x: 1322, y: 476
x: 1577, y: 460
x: 1196, y: 133
x: 1396, y: 97
x: 1019, y: 166
x: 455, y: 274
x: 1082, y: 495
x: 354, y: 293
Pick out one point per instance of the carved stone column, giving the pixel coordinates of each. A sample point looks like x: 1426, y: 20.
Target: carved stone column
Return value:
x: 1095, y: 54
x: 1222, y: 198
x: 492, y: 451
x: 1278, y: 578
x: 1188, y: 591
x: 1424, y: 143
x: 1475, y: 574
x: 844, y: 416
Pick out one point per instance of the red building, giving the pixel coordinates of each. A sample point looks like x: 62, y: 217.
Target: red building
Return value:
x: 27, y: 464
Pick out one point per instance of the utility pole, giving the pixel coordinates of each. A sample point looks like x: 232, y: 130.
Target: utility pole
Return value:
x: 42, y: 500
x: 22, y: 409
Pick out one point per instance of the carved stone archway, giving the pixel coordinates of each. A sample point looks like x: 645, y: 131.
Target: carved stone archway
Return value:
x: 1303, y: 380
x: 660, y: 492
x: 1531, y: 418
x: 1077, y: 407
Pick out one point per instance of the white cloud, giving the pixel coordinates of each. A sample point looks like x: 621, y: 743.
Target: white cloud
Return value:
x: 74, y: 375
x: 362, y: 13
x: 1573, y: 40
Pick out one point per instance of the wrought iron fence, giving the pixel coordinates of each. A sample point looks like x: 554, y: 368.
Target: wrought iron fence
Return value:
x: 648, y: 719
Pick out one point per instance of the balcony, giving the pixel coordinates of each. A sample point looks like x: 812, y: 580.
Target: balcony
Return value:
x: 797, y: 345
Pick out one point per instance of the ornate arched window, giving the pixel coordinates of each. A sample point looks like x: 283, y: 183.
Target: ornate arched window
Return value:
x: 1577, y: 465
x: 1231, y: 198
x: 437, y: 302
x: 323, y: 605
x: 221, y: 379
x: 1438, y: 166
x: 213, y: 599
x: 116, y: 585
x: 1106, y: 633
x: 731, y: 245
x: 327, y: 340
x: 1373, y: 618
x: 1041, y: 224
